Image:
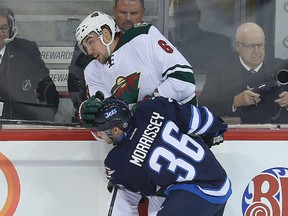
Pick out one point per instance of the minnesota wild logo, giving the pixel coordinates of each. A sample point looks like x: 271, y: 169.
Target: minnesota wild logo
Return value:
x: 127, y: 88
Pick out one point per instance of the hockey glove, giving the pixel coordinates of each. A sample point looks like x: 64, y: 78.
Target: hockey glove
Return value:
x: 89, y: 108
x: 216, y: 134
x: 213, y: 140
x: 110, y: 186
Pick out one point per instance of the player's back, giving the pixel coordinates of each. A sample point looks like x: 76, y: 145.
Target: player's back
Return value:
x: 156, y: 152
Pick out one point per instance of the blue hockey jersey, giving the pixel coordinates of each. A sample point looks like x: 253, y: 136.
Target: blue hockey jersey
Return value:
x: 163, y: 151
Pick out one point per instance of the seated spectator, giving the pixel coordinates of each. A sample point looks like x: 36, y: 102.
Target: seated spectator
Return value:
x: 197, y: 46
x: 244, y: 84
x: 26, y: 90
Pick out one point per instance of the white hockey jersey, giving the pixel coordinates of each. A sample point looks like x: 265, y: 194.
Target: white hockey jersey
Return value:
x: 143, y: 61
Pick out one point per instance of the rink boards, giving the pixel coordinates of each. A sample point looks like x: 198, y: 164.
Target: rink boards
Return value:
x: 60, y: 172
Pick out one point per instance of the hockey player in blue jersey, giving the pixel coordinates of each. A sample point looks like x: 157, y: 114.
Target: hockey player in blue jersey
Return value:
x: 160, y: 148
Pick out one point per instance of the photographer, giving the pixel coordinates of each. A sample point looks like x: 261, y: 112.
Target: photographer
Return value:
x: 244, y: 84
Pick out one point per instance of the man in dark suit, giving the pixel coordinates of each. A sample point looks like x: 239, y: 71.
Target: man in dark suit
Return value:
x: 244, y: 84
x: 26, y: 90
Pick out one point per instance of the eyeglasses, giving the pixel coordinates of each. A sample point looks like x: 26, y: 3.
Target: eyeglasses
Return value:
x: 4, y: 28
x: 251, y: 47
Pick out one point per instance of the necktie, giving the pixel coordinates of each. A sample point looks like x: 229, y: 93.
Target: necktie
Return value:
x: 252, y: 71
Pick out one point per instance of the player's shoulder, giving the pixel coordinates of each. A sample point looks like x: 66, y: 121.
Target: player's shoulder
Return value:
x: 138, y: 29
x: 156, y: 103
x: 91, y: 66
x: 117, y: 156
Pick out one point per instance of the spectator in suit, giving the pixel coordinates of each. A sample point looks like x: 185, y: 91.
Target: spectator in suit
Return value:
x: 26, y: 90
x: 126, y: 12
x: 197, y: 45
x: 244, y: 84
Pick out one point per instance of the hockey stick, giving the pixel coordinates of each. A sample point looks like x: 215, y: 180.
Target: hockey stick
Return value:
x: 112, y: 200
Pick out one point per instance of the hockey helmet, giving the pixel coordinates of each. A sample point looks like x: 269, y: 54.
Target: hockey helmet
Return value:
x: 95, y: 22
x: 115, y: 112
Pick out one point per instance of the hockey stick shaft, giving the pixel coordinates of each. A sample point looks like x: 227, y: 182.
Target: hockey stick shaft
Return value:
x: 112, y: 201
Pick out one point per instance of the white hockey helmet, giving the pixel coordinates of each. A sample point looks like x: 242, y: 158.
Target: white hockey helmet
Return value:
x: 95, y: 22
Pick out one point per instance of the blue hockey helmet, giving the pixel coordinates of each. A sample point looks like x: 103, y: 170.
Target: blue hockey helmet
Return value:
x: 114, y: 113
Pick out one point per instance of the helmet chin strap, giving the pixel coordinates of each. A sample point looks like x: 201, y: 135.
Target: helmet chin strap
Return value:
x: 108, y: 50
x: 109, y: 134
x: 8, y: 40
x: 107, y: 44
x: 115, y: 141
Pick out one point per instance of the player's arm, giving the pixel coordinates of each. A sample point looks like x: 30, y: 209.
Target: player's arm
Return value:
x: 176, y: 72
x: 199, y: 121
x: 93, y: 80
x: 211, y: 128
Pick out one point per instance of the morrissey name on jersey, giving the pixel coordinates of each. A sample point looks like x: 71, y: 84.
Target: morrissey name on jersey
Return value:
x: 147, y: 138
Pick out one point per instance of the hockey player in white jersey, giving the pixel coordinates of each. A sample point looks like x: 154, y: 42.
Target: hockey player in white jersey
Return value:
x: 135, y: 64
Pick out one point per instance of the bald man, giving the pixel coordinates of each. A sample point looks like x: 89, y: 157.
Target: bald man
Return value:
x: 243, y: 84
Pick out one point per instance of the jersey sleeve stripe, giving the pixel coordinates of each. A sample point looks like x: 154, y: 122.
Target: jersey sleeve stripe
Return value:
x: 208, y: 123
x: 218, y: 192
x: 194, y: 120
x: 213, y: 195
x: 181, y: 72
x: 185, y: 68
x: 180, y: 75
